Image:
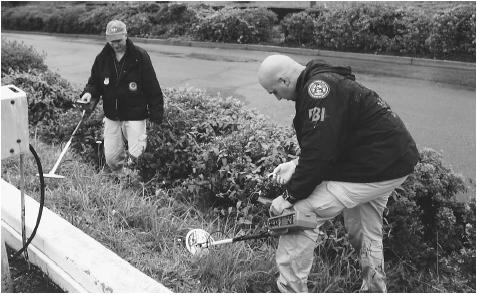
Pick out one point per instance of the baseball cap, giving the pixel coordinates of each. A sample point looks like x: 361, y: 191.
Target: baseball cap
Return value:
x: 115, y: 30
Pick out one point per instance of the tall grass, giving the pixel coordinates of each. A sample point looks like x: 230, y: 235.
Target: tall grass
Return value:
x: 148, y: 228
x: 145, y: 228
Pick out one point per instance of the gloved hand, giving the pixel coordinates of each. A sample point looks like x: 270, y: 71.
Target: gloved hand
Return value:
x: 283, y: 172
x: 86, y: 98
x: 87, y: 103
x: 279, y: 204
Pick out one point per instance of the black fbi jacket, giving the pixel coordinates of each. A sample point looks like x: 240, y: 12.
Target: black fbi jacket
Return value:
x: 346, y: 132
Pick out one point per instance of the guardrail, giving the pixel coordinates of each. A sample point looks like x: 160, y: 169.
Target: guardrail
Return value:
x: 72, y: 259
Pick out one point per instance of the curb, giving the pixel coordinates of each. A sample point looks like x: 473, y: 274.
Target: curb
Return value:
x: 291, y: 50
x: 316, y: 52
x: 35, y: 256
x: 72, y: 259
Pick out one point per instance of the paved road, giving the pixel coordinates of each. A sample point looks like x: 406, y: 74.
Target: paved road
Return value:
x: 439, y: 115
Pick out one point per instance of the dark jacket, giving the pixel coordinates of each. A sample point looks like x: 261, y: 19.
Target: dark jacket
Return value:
x: 346, y: 132
x: 136, y: 95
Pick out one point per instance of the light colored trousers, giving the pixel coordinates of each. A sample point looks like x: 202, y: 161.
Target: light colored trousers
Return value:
x: 116, y: 134
x: 362, y: 205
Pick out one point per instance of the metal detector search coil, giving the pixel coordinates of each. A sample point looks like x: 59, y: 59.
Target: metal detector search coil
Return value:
x: 197, y: 241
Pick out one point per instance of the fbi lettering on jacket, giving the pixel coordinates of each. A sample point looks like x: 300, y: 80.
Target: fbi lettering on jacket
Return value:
x: 316, y: 114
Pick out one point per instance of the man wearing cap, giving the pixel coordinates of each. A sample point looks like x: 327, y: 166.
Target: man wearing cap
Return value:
x: 354, y: 152
x: 123, y: 76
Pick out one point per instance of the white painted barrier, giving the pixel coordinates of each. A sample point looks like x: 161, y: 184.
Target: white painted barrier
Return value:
x: 71, y: 258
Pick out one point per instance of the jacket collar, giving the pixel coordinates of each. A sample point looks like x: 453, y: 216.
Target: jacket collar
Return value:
x: 315, y: 67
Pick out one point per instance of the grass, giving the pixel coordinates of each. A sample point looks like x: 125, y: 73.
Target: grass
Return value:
x: 147, y: 229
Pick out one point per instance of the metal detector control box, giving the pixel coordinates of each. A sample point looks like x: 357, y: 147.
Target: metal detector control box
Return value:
x: 293, y: 220
x: 15, y: 137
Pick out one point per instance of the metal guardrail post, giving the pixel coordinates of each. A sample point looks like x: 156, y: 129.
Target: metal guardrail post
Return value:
x: 7, y: 283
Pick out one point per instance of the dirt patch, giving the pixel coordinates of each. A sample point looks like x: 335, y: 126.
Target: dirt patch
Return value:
x: 29, y: 278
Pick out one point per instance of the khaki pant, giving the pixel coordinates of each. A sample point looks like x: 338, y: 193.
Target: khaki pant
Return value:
x: 362, y: 205
x: 116, y: 135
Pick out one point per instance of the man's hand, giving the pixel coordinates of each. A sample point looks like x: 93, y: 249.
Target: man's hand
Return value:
x: 87, y: 103
x: 283, y: 172
x: 279, y: 204
x: 86, y: 98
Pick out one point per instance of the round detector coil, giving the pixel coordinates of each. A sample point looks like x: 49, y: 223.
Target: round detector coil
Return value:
x: 197, y: 241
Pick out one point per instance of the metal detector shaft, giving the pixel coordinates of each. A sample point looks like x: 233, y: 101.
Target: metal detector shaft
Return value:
x: 65, y: 149
x: 238, y: 239
x: 252, y: 237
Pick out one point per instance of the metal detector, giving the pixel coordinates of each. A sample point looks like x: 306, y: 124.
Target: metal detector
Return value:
x: 198, y: 241
x: 52, y: 173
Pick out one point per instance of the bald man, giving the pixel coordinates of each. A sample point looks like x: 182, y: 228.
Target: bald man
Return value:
x: 354, y: 152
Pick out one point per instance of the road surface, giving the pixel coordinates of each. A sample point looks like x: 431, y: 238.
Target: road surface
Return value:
x: 439, y: 115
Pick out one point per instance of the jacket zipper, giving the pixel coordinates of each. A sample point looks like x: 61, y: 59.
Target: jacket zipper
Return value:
x: 118, y: 76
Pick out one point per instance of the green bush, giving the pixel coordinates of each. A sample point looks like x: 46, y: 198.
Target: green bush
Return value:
x: 48, y: 94
x: 452, y: 32
x: 378, y: 28
x: 298, y: 28
x: 236, y: 25
x: 358, y: 27
x: 16, y: 56
x: 262, y: 19
x: 174, y: 19
x: 410, y: 39
x: 64, y: 20
x: 427, y: 227
x: 363, y: 28
x: 95, y: 21
x: 139, y: 25
x: 218, y: 148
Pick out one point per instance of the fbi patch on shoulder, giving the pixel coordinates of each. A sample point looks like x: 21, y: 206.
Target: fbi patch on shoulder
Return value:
x: 318, y: 89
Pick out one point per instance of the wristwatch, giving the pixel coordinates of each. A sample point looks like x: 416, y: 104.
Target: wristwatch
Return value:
x: 288, y: 197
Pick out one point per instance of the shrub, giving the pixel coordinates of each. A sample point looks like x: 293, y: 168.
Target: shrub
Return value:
x: 236, y: 25
x: 174, y: 19
x: 215, y: 145
x: 262, y: 19
x: 412, y: 38
x: 298, y: 28
x: 427, y: 227
x: 233, y: 167
x: 358, y: 27
x: 48, y: 94
x: 65, y: 20
x: 334, y: 30
x: 17, y: 56
x: 95, y: 21
x: 452, y: 32
x: 139, y: 25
